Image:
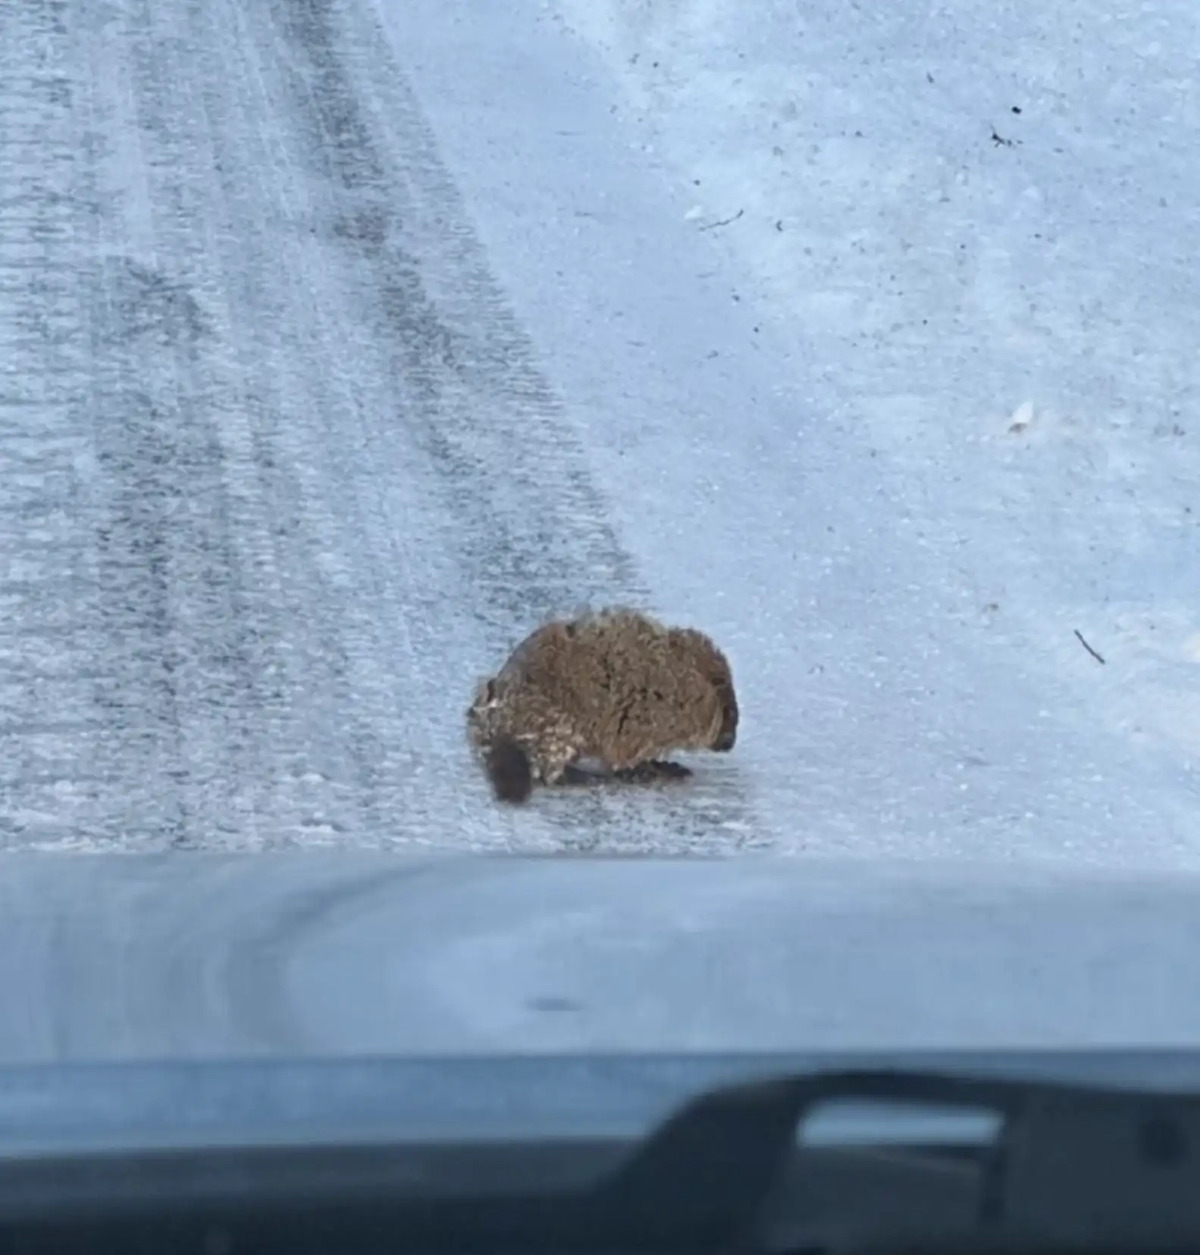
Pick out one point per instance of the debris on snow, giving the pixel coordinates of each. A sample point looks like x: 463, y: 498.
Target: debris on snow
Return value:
x: 1090, y: 650
x: 1021, y: 418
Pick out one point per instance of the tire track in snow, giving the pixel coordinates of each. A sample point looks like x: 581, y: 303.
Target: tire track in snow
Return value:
x: 455, y: 391
x: 298, y: 470
x: 50, y: 784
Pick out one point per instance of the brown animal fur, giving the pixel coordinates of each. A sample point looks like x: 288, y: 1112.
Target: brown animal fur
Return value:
x: 612, y: 685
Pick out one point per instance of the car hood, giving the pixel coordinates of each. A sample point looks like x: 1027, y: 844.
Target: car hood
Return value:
x: 336, y: 954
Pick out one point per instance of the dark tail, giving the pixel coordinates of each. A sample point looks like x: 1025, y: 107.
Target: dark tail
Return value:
x: 509, y: 771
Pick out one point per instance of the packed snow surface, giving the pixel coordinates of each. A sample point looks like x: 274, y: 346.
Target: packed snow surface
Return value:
x: 340, y: 343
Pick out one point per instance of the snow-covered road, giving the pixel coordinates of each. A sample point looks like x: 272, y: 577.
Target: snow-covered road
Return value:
x: 342, y: 341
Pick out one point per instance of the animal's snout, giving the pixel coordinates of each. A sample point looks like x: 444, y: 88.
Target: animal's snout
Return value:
x: 726, y: 736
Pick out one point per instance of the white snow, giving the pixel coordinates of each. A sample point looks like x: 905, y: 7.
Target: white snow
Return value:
x: 925, y: 274
x: 880, y: 325
x: 342, y: 343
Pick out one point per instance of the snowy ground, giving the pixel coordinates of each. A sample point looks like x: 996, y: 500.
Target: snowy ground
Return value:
x: 341, y: 342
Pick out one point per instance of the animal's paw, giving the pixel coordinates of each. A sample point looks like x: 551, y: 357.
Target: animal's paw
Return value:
x: 573, y: 775
x: 652, y: 772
